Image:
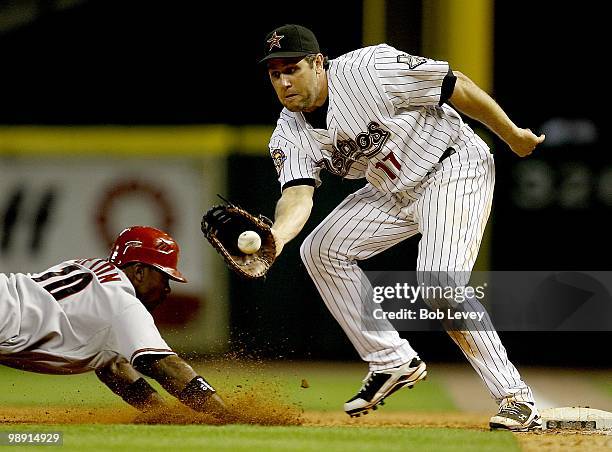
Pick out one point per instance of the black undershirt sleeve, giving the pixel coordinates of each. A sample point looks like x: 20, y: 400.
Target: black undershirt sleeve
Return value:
x: 448, y: 86
x: 305, y: 181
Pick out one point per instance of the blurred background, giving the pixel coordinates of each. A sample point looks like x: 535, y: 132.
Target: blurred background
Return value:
x: 116, y: 113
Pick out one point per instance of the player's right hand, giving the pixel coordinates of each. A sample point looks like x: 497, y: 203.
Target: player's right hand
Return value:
x: 524, y: 142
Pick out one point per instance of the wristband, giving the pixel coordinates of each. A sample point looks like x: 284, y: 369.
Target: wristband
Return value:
x: 196, y: 394
x: 136, y: 393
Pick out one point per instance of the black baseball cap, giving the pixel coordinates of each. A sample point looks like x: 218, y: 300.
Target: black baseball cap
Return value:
x: 290, y: 41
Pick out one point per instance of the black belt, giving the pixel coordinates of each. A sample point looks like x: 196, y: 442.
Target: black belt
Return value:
x: 447, y: 153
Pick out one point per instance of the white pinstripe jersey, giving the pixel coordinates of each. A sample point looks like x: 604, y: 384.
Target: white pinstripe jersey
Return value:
x: 384, y: 123
x: 72, y: 318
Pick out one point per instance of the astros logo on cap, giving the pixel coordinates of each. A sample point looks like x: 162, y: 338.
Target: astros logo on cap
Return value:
x: 274, y: 41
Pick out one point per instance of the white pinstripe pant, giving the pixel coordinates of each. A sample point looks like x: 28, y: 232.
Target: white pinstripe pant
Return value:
x: 450, y: 209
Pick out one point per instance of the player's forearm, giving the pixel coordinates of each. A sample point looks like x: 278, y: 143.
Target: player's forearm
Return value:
x: 469, y: 99
x: 171, y: 372
x: 179, y: 379
x: 474, y: 102
x: 123, y: 380
x: 292, y: 212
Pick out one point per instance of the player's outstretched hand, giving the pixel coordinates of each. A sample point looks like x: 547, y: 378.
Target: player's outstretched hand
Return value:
x: 168, y: 415
x: 524, y: 142
x: 213, y: 411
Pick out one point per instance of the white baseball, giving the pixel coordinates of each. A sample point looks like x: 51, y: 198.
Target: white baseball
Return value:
x: 249, y: 242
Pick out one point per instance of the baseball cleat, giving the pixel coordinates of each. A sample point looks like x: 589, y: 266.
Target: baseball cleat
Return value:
x: 382, y: 383
x: 516, y: 416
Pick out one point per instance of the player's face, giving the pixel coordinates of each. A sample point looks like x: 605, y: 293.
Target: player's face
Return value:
x: 295, y: 83
x: 154, y: 289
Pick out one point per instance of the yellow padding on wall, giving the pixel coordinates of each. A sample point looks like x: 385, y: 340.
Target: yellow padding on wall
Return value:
x: 170, y: 141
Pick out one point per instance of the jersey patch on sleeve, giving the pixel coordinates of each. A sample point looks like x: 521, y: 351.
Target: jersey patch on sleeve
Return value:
x: 411, y: 60
x: 279, y: 158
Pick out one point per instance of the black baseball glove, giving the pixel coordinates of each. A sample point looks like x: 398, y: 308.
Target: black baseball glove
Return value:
x: 223, y: 224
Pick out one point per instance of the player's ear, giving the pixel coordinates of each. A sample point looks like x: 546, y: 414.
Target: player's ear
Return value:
x: 139, y: 272
x: 135, y: 273
x: 319, y: 63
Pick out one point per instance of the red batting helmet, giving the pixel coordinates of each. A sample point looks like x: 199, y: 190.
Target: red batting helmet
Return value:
x: 149, y: 246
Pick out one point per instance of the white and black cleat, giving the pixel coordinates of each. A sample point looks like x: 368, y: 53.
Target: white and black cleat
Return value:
x: 517, y: 417
x: 381, y: 384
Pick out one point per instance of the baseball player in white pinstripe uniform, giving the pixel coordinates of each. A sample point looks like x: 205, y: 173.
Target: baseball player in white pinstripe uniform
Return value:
x: 93, y: 315
x: 384, y: 115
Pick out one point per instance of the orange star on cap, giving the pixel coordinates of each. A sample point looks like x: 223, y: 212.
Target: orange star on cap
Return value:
x: 274, y: 41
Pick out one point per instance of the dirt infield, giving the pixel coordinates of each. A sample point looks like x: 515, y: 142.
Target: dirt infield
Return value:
x: 533, y: 441
x: 278, y: 416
